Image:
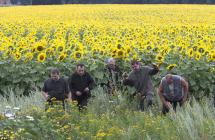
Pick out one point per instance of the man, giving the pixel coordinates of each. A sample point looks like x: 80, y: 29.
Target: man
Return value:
x: 80, y: 84
x: 139, y: 78
x: 173, y: 89
x: 55, y: 88
x: 112, y: 74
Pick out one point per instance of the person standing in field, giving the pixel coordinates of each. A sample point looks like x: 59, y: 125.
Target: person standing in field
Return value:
x: 112, y: 76
x: 173, y: 89
x: 80, y: 84
x: 140, y: 78
x: 55, y: 88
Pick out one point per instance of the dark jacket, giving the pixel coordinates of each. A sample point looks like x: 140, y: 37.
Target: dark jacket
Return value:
x: 79, y: 83
x: 141, y: 79
x: 109, y: 76
x: 58, y: 89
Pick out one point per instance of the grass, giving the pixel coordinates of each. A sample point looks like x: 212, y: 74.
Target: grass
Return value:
x: 114, y: 118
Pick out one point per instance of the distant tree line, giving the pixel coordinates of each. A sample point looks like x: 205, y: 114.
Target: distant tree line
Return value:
x: 42, y: 2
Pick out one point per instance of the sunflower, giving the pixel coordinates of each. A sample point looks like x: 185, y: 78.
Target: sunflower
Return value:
x: 29, y: 56
x: 120, y: 54
x: 128, y: 50
x: 17, y: 56
x: 119, y: 46
x: 201, y: 50
x: 77, y: 55
x: 190, y: 52
x: 61, y: 57
x: 50, y: 51
x: 159, y: 58
x: 40, y: 48
x: 165, y: 50
x: 212, y: 56
x: 198, y: 55
x: 60, y: 48
x: 171, y: 66
x: 41, y: 57
x: 148, y: 48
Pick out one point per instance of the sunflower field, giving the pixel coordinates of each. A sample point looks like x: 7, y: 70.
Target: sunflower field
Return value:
x: 34, y: 39
x: 180, y: 38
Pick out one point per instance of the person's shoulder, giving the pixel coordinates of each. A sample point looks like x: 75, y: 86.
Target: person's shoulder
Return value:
x: 131, y: 72
x: 62, y: 79
x: 145, y: 68
x: 163, y: 79
x: 73, y: 75
x: 177, y: 76
x: 87, y: 74
x: 48, y: 80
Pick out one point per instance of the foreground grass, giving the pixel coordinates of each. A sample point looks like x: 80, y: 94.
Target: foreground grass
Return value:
x: 105, y: 119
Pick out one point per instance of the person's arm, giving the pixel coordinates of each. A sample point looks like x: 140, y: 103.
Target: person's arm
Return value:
x: 72, y: 90
x: 66, y: 90
x: 71, y: 85
x: 160, y: 93
x: 91, y: 82
x: 154, y: 70
x: 44, y: 91
x: 127, y: 80
x: 70, y: 95
x: 185, y: 87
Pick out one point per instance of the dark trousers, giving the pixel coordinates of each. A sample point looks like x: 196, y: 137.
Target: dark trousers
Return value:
x: 148, y: 97
x: 174, y: 105
x: 82, y: 103
x: 141, y: 98
x: 82, y: 100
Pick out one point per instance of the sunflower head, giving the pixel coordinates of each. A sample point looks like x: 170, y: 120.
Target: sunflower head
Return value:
x: 29, y: 56
x: 190, y: 52
x: 159, y: 58
x: 77, y: 55
x: 17, y: 56
x: 41, y: 57
x: 61, y: 57
x: 40, y: 48
x: 171, y: 66
x: 60, y: 48
x: 198, y: 56
x: 212, y: 56
x: 120, y: 53
x: 201, y: 50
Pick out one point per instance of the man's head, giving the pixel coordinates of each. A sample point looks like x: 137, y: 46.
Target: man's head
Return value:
x: 169, y: 78
x: 111, y: 63
x: 135, y: 65
x: 80, y: 69
x: 55, y: 74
